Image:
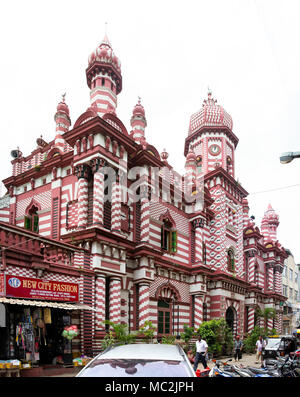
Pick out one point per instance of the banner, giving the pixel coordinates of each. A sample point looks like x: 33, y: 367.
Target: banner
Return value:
x: 33, y: 288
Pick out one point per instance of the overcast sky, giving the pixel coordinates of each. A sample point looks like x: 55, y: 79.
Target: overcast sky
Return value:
x: 247, y: 52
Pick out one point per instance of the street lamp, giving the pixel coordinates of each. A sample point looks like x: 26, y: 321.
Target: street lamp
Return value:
x: 287, y: 157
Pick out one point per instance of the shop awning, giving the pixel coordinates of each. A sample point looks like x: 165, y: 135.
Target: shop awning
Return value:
x: 57, y: 305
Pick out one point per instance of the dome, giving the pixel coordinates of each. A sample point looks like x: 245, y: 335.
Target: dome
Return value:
x: 139, y: 110
x: 63, y: 107
x: 210, y: 115
x: 191, y: 156
x: 104, y: 53
x: 270, y: 215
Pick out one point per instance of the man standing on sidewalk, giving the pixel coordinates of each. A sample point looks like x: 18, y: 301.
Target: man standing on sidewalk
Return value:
x: 201, y: 351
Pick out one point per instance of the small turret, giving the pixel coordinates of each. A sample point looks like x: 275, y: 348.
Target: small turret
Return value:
x: 63, y: 123
x: 270, y: 224
x: 138, y: 122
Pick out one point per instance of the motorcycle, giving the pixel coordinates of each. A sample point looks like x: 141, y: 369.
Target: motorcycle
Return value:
x: 216, y: 371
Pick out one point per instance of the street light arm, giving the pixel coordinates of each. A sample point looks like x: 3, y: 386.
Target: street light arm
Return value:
x: 287, y: 157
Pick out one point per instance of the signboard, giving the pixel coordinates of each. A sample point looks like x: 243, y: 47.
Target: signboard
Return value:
x: 34, y: 288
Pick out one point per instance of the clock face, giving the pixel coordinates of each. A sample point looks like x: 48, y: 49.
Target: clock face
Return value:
x: 214, y: 150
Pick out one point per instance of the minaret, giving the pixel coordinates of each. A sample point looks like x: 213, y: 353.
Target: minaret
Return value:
x: 63, y: 123
x: 269, y: 224
x: 138, y: 122
x: 211, y: 138
x: 104, y: 78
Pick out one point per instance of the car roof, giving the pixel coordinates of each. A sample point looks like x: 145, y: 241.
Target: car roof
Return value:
x: 146, y: 351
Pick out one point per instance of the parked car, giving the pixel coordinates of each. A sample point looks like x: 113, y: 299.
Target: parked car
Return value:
x: 279, y: 345
x: 140, y: 360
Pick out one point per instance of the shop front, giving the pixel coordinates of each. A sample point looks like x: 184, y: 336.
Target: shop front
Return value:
x: 38, y: 321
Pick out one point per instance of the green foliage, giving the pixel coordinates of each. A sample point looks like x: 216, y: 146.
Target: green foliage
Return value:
x: 108, y: 340
x: 266, y: 314
x: 252, y: 337
x: 187, y: 334
x: 168, y: 339
x: 147, y: 331
x: 120, y: 333
x: 217, y: 335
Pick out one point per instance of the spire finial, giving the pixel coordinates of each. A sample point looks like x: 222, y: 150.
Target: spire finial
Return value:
x: 63, y: 97
x: 139, y: 100
x: 105, y: 28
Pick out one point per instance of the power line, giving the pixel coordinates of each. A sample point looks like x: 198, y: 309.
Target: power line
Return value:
x: 278, y: 188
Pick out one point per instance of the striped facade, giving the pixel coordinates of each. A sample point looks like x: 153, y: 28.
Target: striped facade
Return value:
x: 138, y: 259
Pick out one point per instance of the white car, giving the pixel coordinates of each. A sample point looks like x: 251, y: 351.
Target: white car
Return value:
x: 140, y: 360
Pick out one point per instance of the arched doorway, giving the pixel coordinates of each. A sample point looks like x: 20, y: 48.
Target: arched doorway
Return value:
x: 230, y: 318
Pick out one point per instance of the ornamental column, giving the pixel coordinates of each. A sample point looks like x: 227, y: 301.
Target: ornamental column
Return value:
x: 145, y: 215
x: 100, y: 302
x: 198, y: 225
x: 278, y: 278
x: 250, y: 320
x: 198, y: 311
x: 144, y: 303
x: 82, y: 172
x: 115, y: 300
x: 116, y: 207
x: 270, y: 272
x: 251, y: 266
x: 98, y: 196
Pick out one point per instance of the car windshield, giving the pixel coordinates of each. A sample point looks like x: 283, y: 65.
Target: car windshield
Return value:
x: 135, y: 368
x: 273, y: 343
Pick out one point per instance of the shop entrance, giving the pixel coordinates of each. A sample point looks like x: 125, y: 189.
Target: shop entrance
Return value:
x: 35, y: 335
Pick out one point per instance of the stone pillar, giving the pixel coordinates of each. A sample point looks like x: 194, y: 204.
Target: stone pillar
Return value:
x: 98, y: 198
x: 250, y: 319
x: 98, y: 195
x: 100, y: 302
x: 270, y: 270
x: 82, y: 172
x: 251, y: 267
x: 116, y: 207
x: 145, y: 215
x: 115, y: 300
x: 144, y: 303
x: 278, y: 279
x: 198, y: 245
x: 198, y: 311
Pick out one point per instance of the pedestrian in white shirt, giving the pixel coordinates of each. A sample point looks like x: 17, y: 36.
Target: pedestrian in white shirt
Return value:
x: 201, y: 351
x: 260, y: 344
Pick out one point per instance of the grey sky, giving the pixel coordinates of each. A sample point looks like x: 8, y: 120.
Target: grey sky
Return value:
x: 247, y: 52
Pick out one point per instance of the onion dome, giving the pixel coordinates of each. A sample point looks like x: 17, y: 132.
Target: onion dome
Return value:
x: 62, y: 107
x: 191, y: 157
x: 210, y: 115
x: 164, y: 155
x: 139, y: 110
x: 270, y: 216
x: 104, y: 58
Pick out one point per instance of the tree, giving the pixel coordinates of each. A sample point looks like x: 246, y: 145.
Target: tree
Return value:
x: 217, y: 335
x: 266, y: 314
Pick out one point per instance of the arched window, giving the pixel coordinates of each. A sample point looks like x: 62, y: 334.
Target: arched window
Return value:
x: 168, y: 236
x: 230, y: 260
x: 31, y: 220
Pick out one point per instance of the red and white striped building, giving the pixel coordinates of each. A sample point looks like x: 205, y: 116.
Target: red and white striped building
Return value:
x: 145, y: 251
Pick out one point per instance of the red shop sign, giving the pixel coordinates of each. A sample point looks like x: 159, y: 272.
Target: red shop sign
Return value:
x: 34, y: 288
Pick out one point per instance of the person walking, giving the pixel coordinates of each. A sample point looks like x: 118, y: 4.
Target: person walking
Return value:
x: 238, y: 347
x: 201, y: 351
x: 260, y: 344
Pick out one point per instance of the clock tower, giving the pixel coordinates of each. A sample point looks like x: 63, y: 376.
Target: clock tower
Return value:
x: 211, y: 138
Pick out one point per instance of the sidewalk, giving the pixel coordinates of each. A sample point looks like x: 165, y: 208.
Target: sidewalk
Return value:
x: 247, y: 360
